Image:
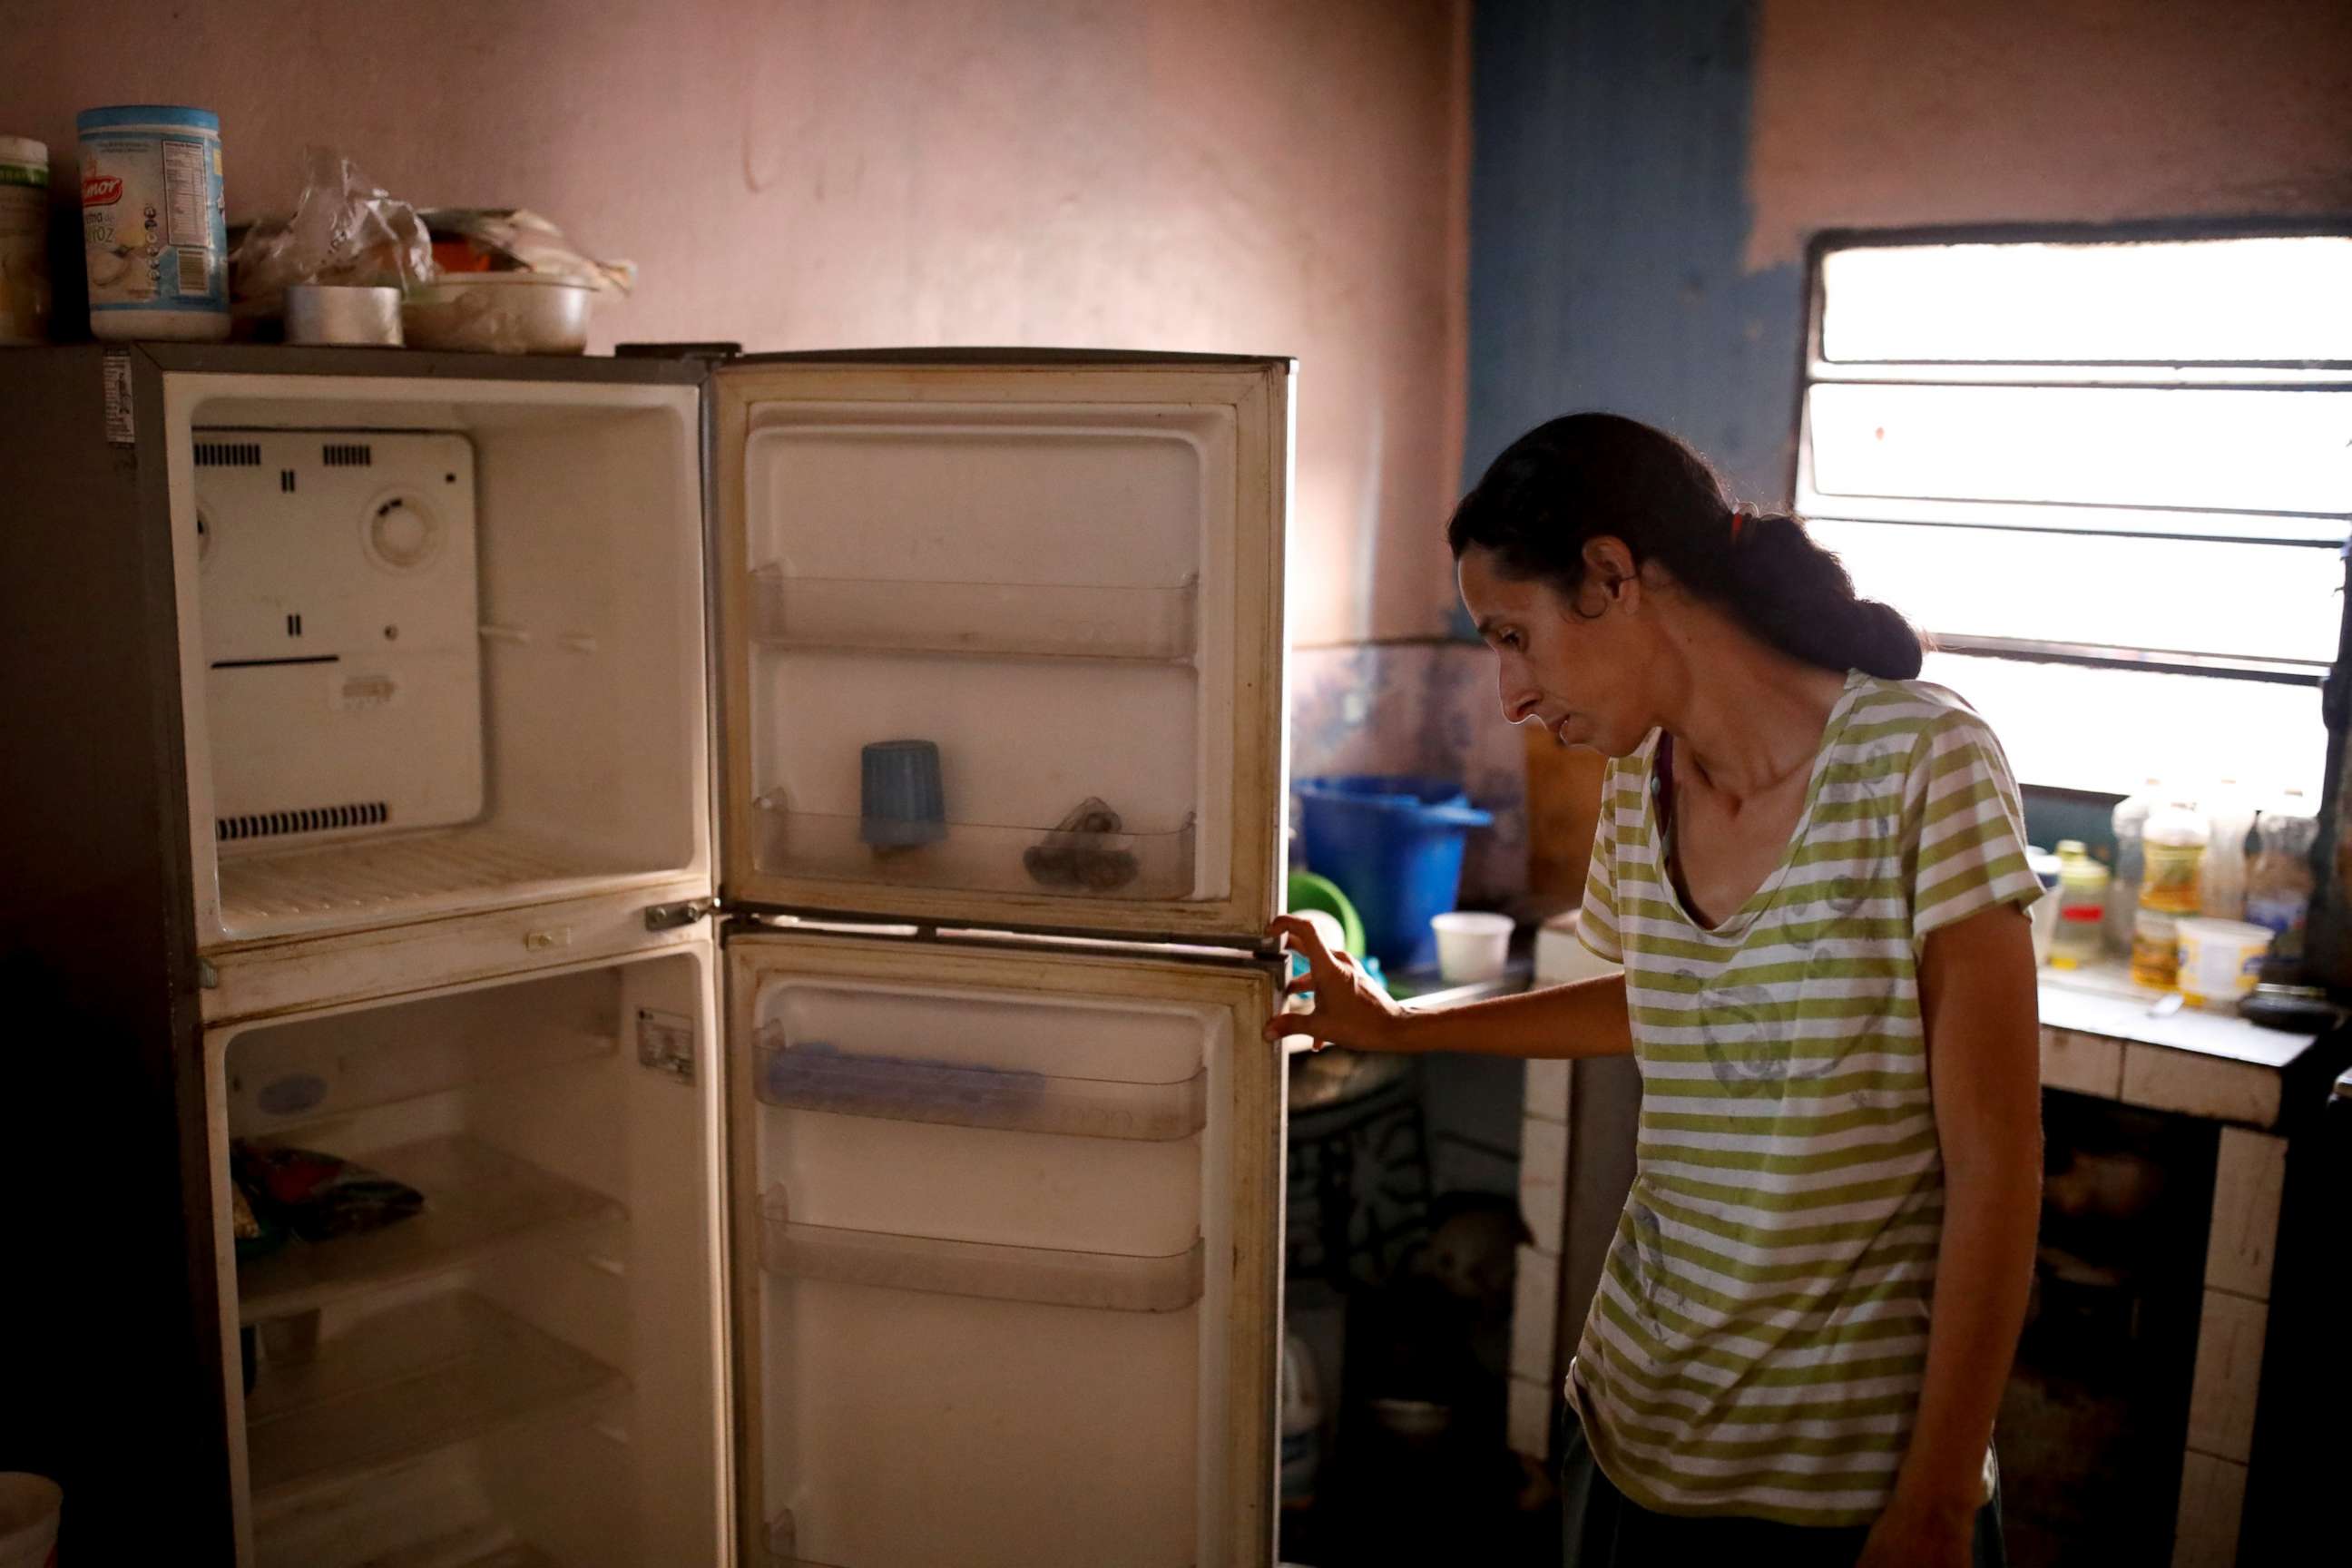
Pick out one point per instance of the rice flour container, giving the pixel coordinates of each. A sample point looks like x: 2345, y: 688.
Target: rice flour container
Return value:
x: 24, y: 240
x: 154, y: 226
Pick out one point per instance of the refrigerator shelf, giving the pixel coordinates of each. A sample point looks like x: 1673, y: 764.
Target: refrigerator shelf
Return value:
x: 365, y: 880
x: 478, y: 1201
x: 1006, y: 619
x: 287, y: 1087
x: 405, y: 1383
x: 1048, y: 1277
x: 978, y: 857
x: 901, y: 1089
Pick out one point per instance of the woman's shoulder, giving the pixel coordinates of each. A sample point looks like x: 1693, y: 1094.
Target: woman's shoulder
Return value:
x: 1928, y: 734
x: 1918, y: 711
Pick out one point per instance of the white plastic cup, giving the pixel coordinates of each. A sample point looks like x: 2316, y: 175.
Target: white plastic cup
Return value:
x: 2221, y: 960
x: 1472, y: 946
x: 28, y: 1520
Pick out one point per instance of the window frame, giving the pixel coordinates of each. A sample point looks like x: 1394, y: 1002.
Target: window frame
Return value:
x: 2298, y: 374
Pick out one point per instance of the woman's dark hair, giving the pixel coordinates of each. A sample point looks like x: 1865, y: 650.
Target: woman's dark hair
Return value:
x: 1584, y: 476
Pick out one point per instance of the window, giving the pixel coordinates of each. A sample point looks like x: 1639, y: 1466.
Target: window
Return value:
x: 2111, y: 476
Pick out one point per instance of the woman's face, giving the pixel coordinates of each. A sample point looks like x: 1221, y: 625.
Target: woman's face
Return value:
x: 1576, y: 667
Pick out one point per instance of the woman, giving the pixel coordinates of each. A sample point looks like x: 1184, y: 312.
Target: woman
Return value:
x: 1811, y: 867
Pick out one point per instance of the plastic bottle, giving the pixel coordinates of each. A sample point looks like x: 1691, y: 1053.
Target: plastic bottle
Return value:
x: 2082, y: 886
x: 2123, y: 898
x: 24, y: 240
x: 2280, y: 884
x: 2172, y: 851
x: 2221, y: 878
x: 2156, y: 950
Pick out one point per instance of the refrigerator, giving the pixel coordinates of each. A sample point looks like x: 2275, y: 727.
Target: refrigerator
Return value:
x: 496, y: 773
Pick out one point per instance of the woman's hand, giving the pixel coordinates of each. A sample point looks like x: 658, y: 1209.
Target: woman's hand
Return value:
x: 1920, y: 1536
x: 1349, y: 1009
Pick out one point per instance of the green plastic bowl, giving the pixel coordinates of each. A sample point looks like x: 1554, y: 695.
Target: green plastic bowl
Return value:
x: 1309, y: 891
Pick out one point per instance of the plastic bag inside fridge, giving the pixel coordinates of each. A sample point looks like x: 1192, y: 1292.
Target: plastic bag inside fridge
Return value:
x: 441, y: 644
x: 993, y: 1291
x: 470, y: 1244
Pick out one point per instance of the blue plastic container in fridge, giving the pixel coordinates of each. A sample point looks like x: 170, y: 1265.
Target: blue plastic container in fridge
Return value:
x: 1393, y: 844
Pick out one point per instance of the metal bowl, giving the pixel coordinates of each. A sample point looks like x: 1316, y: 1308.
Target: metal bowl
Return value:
x: 332, y: 313
x: 501, y: 312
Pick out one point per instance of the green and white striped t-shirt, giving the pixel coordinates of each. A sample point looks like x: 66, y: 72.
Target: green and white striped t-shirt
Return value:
x: 1757, y: 1343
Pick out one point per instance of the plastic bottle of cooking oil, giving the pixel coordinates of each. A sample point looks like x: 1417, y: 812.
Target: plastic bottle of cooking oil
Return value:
x: 2172, y: 851
x: 2172, y: 847
x: 2082, y: 888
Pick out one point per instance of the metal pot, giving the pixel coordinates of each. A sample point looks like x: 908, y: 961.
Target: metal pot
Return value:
x: 501, y: 312
x: 335, y: 314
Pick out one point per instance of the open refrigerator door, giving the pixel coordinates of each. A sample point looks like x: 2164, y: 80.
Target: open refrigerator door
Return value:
x: 1000, y: 652
x: 1001, y: 642
x: 1007, y: 1255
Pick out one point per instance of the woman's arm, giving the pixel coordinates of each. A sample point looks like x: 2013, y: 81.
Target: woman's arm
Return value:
x: 1984, y: 1065
x: 1586, y: 1018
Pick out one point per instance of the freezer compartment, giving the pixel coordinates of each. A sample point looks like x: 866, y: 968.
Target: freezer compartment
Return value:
x: 527, y: 1362
x: 441, y: 644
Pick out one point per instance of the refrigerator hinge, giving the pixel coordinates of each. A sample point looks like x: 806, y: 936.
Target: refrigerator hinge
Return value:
x: 670, y: 917
x: 207, y: 977
x: 665, y: 1044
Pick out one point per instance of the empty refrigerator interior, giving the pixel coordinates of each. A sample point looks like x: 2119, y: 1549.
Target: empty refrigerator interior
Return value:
x: 523, y: 1369
x: 441, y: 644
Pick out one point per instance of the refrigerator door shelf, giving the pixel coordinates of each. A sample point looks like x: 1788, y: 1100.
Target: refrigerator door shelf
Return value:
x: 817, y: 1076
x: 1045, y: 1276
x: 976, y: 858
x: 1067, y: 578
x: 1037, y: 620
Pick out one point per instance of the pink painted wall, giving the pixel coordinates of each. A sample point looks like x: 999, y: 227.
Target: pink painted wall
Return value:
x: 1285, y: 177
x: 1908, y: 111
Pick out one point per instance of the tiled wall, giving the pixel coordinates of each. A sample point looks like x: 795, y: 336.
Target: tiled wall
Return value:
x: 1419, y: 708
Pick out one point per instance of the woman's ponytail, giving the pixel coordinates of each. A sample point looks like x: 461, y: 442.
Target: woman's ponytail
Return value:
x: 1585, y: 476
x: 1797, y: 596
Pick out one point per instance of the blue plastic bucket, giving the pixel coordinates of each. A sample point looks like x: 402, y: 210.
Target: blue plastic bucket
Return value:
x: 1393, y: 844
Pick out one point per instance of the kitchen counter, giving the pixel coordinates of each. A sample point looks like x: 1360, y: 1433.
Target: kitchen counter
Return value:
x: 1424, y: 989
x: 2102, y: 1035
